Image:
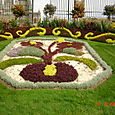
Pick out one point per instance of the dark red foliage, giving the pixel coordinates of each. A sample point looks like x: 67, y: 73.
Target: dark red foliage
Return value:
x: 70, y: 44
x: 34, y: 73
x: 28, y: 44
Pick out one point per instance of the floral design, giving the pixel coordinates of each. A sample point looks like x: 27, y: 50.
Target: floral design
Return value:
x: 60, y: 40
x: 50, y: 70
x: 35, y: 73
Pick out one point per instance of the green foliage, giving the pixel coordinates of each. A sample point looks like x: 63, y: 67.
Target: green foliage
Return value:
x: 58, y: 22
x: 18, y: 61
x: 70, y: 50
x: 1, y: 26
x: 31, y: 51
x: 28, y: 23
x: 13, y: 23
x: 88, y: 23
x: 4, y: 43
x: 44, y: 23
x: 103, y: 26
x: 90, y: 63
x: 109, y: 10
x: 49, y: 10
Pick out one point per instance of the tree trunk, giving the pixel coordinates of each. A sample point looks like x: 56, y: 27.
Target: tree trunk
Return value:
x: 109, y: 17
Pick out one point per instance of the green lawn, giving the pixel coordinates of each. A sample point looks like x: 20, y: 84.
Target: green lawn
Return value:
x: 64, y: 101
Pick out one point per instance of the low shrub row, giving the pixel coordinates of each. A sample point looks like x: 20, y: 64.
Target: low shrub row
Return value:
x: 82, y: 24
x: 31, y: 51
x: 90, y: 63
x: 18, y: 61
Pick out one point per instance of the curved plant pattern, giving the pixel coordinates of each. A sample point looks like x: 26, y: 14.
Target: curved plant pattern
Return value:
x: 21, y: 34
x: 90, y: 36
x: 7, y: 36
x: 57, y: 33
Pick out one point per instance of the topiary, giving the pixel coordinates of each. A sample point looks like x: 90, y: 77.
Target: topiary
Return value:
x: 31, y: 51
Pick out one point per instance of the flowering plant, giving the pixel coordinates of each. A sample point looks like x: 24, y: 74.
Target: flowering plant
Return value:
x: 18, y: 11
x: 60, y: 40
x: 50, y: 70
x: 78, y: 11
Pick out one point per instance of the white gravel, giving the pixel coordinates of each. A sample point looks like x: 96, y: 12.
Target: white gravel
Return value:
x: 85, y: 73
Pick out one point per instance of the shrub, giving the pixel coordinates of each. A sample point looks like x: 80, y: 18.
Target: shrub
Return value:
x: 72, y: 51
x: 90, y: 63
x: 1, y: 26
x: 78, y: 11
x: 18, y: 11
x: 31, y: 51
x: 13, y: 52
x: 109, y: 10
x: 27, y: 23
x: 44, y: 23
x: 49, y: 10
x: 18, y: 61
x: 13, y: 24
x: 102, y: 26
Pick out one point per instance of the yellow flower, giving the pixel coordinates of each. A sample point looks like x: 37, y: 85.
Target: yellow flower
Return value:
x: 113, y: 25
x: 50, y: 70
x: 60, y: 40
x: 33, y: 43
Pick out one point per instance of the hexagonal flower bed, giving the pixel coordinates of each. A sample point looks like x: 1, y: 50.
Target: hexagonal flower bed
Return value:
x: 52, y: 63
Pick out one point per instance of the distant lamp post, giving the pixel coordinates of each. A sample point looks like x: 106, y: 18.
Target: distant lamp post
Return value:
x: 68, y: 9
x: 32, y: 11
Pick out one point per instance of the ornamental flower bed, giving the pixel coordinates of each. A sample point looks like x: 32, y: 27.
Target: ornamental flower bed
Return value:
x: 89, y: 34
x: 57, y: 63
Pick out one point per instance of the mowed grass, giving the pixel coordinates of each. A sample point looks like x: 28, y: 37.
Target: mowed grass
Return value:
x: 63, y: 101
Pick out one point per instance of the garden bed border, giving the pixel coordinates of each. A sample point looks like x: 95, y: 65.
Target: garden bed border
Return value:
x: 65, y: 85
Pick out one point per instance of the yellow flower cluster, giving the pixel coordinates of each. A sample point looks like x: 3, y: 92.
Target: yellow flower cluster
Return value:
x: 113, y: 25
x: 50, y: 70
x: 60, y: 40
x: 110, y: 41
x: 32, y: 42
